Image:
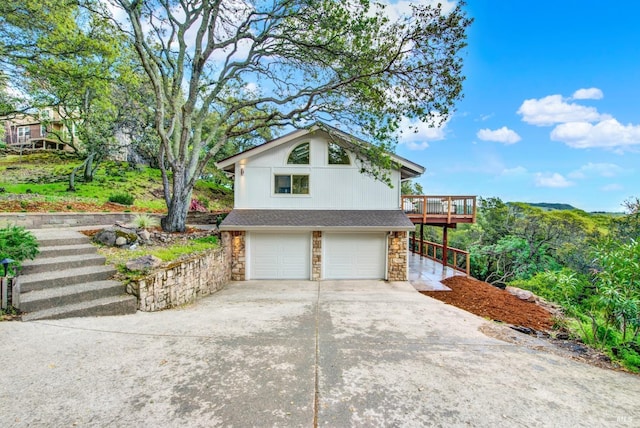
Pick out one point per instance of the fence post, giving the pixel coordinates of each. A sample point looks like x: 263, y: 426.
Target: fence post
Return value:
x: 468, y: 264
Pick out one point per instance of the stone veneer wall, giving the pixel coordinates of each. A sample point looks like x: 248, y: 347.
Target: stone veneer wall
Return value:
x: 183, y: 282
x: 47, y: 220
x: 236, y: 246
x: 316, y: 256
x: 397, y: 256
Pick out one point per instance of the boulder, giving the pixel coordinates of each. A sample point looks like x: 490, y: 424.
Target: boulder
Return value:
x: 143, y: 263
x: 106, y: 237
x: 522, y: 294
x: 144, y: 236
x: 116, y: 236
x: 525, y: 330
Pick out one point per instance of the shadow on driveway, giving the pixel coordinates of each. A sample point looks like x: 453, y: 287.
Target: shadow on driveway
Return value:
x: 298, y: 353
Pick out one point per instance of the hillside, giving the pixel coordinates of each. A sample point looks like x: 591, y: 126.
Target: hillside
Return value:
x: 38, y: 182
x: 552, y: 206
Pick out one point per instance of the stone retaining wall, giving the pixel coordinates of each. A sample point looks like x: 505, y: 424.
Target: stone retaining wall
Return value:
x: 50, y: 220
x: 183, y: 282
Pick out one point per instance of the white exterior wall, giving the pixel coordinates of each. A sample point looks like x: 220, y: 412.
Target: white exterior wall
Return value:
x: 330, y: 186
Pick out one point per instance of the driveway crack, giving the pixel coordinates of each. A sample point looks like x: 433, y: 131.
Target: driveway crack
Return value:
x: 316, y: 395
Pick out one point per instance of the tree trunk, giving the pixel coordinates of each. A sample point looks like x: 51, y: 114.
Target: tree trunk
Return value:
x: 88, y: 169
x: 176, y: 219
x: 72, y: 178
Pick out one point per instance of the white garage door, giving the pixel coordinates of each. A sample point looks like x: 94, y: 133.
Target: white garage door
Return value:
x: 279, y: 255
x: 354, y: 255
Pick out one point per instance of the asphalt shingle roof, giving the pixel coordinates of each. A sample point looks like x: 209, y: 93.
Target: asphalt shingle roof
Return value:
x: 250, y: 219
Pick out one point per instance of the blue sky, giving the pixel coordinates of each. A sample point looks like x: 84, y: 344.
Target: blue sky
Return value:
x: 550, y: 110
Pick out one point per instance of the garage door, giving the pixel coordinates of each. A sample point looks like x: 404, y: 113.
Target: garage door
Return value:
x: 279, y: 255
x: 354, y: 255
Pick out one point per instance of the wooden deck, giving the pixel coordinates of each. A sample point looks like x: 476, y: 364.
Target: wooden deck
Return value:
x: 439, y: 210
x: 453, y: 258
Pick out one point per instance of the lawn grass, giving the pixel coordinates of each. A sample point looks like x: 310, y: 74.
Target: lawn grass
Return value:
x: 119, y: 257
x: 47, y: 175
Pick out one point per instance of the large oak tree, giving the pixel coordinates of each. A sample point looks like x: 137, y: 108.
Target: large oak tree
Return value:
x: 241, y: 66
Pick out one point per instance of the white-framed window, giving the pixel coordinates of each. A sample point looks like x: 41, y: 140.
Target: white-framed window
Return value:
x: 291, y: 184
x: 337, y: 155
x: 299, y: 155
x: 24, y: 133
x: 43, y: 130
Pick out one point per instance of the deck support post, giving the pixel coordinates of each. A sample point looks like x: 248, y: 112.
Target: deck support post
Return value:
x: 445, y: 245
x: 421, y: 239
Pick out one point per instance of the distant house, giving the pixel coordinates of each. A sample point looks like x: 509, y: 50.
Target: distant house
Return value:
x: 304, y: 210
x: 36, y: 131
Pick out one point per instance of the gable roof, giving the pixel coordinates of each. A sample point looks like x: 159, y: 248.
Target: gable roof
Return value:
x: 408, y: 169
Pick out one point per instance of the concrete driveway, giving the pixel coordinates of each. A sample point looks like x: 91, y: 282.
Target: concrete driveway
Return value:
x: 298, y: 354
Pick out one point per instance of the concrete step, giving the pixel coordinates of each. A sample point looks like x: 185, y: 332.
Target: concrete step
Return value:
x: 52, y: 264
x: 115, y: 305
x: 42, y: 280
x: 66, y: 250
x: 59, y: 296
x: 51, y: 239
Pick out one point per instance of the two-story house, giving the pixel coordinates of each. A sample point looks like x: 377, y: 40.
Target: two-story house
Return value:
x: 36, y: 131
x: 304, y: 210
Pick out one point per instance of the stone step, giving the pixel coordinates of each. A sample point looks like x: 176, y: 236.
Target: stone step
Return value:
x: 53, y: 264
x: 42, y: 280
x: 115, y: 305
x: 51, y: 239
x: 51, y: 297
x: 66, y: 250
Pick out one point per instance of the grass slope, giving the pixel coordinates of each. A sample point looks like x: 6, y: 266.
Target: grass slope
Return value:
x: 39, y: 181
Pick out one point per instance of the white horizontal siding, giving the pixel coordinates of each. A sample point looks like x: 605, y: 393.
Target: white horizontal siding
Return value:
x: 331, y: 186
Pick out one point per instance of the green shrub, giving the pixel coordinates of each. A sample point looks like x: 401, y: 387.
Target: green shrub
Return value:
x: 121, y: 198
x: 629, y: 354
x: 18, y: 244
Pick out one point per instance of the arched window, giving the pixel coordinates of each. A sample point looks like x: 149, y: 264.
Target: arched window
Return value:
x: 338, y: 155
x: 299, y: 155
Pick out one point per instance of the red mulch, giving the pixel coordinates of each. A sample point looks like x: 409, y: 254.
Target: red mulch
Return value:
x: 487, y: 301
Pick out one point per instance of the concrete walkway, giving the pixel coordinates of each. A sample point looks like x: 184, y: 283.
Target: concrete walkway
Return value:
x: 425, y: 274
x: 298, y: 354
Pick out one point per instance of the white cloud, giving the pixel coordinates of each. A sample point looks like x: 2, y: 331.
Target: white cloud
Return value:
x: 117, y: 13
x: 416, y: 134
x: 549, y: 179
x: 607, y: 133
x: 580, y: 126
x: 252, y: 89
x: 588, y: 94
x: 502, y: 135
x: 554, y: 109
x: 600, y: 169
x: 514, y: 172
x: 402, y: 8
x: 614, y: 187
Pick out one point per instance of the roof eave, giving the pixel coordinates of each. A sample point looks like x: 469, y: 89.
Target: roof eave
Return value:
x: 408, y: 169
x: 247, y: 228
